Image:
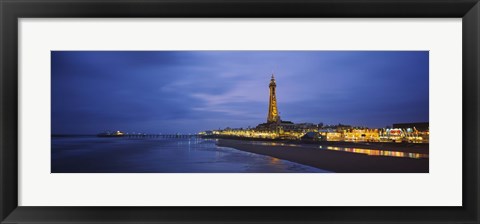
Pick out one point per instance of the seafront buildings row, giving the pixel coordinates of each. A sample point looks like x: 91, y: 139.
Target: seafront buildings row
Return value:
x: 312, y: 132
x: 275, y: 128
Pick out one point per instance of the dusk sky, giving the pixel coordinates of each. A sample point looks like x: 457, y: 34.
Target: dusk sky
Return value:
x: 192, y: 91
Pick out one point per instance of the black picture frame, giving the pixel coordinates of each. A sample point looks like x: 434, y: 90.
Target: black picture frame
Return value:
x: 11, y: 11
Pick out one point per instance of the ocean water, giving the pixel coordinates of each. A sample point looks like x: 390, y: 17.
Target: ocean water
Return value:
x: 157, y: 155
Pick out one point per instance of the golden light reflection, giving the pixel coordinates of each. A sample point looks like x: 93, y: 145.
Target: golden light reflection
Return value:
x: 370, y: 152
x: 274, y: 160
x: 375, y: 152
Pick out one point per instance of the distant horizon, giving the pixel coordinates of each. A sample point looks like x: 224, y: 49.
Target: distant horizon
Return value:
x: 126, y: 131
x: 192, y: 91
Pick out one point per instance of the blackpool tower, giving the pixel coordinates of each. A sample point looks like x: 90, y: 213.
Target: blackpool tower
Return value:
x: 273, y: 116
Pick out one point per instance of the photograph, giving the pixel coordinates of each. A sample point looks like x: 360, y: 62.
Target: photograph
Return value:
x: 240, y: 111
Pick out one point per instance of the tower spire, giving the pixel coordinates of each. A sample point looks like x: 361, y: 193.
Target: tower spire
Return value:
x: 273, y: 115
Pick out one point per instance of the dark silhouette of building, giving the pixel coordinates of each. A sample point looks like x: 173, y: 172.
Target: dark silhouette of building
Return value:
x: 419, y: 126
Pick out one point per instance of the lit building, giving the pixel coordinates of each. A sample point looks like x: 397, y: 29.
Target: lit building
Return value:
x: 274, y: 123
x: 419, y: 126
x: 408, y: 132
x: 272, y: 116
x: 330, y: 134
x: 361, y: 135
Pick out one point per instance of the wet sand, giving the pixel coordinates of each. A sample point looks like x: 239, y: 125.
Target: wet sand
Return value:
x: 335, y: 161
x: 390, y: 146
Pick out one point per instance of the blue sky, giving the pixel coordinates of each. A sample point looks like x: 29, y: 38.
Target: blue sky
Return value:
x: 191, y: 91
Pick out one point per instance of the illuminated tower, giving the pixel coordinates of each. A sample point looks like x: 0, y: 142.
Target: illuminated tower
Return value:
x: 273, y: 116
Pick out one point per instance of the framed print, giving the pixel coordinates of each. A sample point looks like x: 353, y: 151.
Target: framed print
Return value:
x: 250, y: 112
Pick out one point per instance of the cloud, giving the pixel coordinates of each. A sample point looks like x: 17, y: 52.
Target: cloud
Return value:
x: 172, y: 91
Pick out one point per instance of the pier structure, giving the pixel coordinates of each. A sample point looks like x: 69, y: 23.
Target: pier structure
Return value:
x: 163, y: 136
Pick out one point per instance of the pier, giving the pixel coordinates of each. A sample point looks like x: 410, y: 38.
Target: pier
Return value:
x: 163, y: 136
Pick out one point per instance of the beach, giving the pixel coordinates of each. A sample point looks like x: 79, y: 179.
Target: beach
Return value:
x: 341, y: 159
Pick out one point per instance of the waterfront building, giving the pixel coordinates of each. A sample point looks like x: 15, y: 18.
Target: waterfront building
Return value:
x: 392, y: 135
x: 330, y: 134
x: 361, y: 135
x: 274, y: 124
x: 313, y: 136
x: 418, y: 126
x: 407, y: 132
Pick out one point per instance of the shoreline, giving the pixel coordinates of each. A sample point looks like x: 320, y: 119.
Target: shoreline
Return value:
x: 335, y: 161
x: 390, y: 146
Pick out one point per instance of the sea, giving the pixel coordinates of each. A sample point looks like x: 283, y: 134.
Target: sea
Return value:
x: 91, y: 154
